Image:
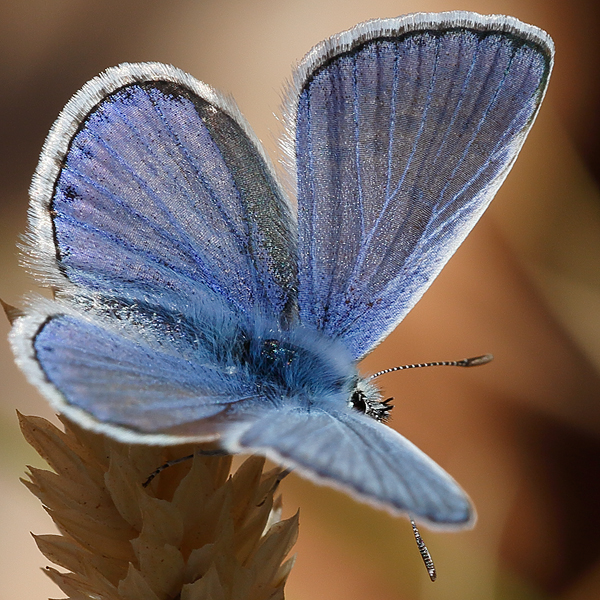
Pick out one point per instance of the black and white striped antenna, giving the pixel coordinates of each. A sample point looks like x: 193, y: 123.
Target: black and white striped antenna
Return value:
x: 476, y: 361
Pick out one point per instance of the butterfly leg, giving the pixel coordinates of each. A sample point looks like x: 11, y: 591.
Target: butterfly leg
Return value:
x: 176, y: 461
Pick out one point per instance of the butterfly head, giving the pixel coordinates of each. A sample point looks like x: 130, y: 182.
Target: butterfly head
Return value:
x: 367, y: 399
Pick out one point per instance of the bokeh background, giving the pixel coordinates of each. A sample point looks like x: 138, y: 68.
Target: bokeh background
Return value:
x: 522, y: 435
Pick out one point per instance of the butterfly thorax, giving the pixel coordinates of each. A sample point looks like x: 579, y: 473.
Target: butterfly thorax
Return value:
x: 295, y: 364
x: 311, y: 368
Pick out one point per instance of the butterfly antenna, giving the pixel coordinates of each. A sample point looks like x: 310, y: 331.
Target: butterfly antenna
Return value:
x: 424, y: 553
x: 465, y: 362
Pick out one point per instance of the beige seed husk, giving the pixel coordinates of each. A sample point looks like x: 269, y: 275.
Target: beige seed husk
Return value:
x: 196, y: 532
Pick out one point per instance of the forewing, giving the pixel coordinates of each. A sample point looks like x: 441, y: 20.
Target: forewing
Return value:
x: 152, y: 186
x: 355, y: 453
x: 404, y: 130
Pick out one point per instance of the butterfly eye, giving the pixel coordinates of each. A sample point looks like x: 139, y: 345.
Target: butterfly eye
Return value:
x: 358, y: 402
x: 371, y: 405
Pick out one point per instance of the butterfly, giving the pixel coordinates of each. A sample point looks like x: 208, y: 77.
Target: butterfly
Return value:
x: 194, y: 301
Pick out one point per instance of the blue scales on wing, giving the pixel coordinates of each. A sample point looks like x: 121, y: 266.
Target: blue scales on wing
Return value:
x: 355, y: 453
x: 163, y: 195
x: 402, y: 140
x: 140, y: 367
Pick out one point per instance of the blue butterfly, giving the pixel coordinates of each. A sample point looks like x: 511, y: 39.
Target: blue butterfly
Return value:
x: 195, y: 302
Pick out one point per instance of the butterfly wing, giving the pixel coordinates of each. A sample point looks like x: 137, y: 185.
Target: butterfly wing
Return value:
x: 156, y: 218
x: 355, y: 453
x: 403, y: 130
x: 151, y: 186
x: 139, y: 373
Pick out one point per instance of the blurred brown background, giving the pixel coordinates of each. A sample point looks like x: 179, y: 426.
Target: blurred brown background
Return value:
x: 522, y: 435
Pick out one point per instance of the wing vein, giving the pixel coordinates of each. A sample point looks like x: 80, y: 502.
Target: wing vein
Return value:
x: 243, y: 246
x: 440, y: 207
x: 356, y: 117
x: 388, y: 200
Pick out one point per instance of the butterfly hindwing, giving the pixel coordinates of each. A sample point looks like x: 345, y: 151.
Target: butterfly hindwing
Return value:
x: 136, y: 371
x: 353, y: 452
x: 404, y: 130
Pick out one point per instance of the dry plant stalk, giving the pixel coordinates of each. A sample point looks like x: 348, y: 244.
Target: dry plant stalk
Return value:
x: 195, y: 533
